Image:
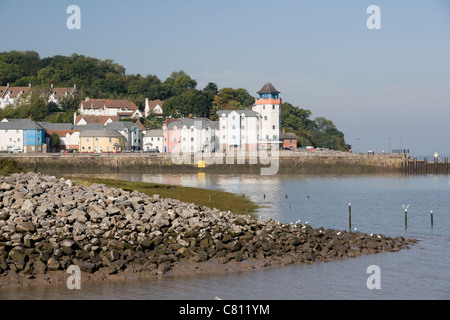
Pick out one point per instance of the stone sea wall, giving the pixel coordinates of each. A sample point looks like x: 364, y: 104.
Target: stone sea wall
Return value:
x: 48, y: 224
x: 306, y: 162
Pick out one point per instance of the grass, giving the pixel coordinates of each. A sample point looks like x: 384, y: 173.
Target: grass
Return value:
x: 221, y: 200
x: 9, y: 166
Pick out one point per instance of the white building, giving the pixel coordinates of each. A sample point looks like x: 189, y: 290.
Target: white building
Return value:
x: 107, y: 107
x: 239, y: 130
x: 8, y: 94
x: 268, y: 105
x: 56, y: 94
x: 153, y: 107
x: 153, y: 139
x: 11, y: 135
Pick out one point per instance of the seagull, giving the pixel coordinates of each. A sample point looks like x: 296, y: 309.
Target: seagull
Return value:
x: 356, y: 229
x: 371, y: 234
x: 379, y: 237
x: 339, y: 233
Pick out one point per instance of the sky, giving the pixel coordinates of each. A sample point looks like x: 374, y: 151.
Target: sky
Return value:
x: 386, y: 88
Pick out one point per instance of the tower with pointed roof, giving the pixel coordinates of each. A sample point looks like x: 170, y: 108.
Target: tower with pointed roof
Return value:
x: 268, y: 105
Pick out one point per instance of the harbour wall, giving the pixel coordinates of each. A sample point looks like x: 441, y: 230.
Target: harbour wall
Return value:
x: 307, y: 162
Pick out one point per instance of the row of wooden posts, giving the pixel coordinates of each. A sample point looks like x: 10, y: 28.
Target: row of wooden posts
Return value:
x: 406, y: 217
x: 424, y: 166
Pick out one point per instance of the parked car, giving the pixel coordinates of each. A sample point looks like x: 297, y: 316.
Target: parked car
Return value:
x: 152, y: 151
x: 16, y: 150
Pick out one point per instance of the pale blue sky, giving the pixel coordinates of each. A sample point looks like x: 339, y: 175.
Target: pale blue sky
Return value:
x: 374, y: 84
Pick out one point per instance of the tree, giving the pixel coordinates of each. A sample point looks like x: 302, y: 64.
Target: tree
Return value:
x: 192, y: 102
x: 326, y: 135
x: 54, y: 141
x: 230, y: 99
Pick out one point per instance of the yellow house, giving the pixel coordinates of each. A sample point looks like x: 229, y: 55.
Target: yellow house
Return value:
x: 99, y: 141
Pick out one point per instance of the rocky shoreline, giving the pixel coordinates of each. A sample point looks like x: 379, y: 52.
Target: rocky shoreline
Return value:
x: 48, y: 224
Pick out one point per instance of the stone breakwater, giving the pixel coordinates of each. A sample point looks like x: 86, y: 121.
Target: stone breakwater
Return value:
x: 48, y: 224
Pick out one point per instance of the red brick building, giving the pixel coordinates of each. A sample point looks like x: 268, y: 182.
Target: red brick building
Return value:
x: 289, y: 140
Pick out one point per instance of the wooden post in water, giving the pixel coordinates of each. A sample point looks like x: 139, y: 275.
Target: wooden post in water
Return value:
x: 432, y: 219
x: 406, y: 219
x: 349, y: 217
x: 425, y: 161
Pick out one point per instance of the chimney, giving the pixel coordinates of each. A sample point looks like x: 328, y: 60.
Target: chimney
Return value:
x: 52, y: 86
x: 87, y: 99
x: 190, y: 115
x: 282, y: 130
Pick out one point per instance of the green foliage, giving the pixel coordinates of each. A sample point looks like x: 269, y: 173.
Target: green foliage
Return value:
x: 320, y: 132
x: 228, y: 99
x: 9, y: 166
x: 54, y: 141
x: 191, y: 102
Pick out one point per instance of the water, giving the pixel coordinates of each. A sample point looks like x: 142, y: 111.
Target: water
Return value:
x: 418, y: 273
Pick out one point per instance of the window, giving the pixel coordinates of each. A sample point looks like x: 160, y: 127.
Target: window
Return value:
x: 233, y: 127
x: 107, y: 148
x: 274, y: 137
x: 192, y: 139
x: 96, y: 139
x: 223, y: 127
x: 233, y: 117
x: 265, y: 117
x: 10, y: 139
x: 18, y: 139
x: 83, y: 148
x: 87, y: 139
x: 273, y: 107
x: 39, y: 140
x: 184, y: 139
x: 174, y: 139
x: 110, y: 139
x: 264, y: 107
x: 273, y: 127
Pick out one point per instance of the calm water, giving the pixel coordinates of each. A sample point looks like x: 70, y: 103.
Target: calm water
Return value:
x: 418, y: 273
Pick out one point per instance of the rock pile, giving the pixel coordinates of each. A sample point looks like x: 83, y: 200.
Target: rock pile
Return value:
x: 48, y: 224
